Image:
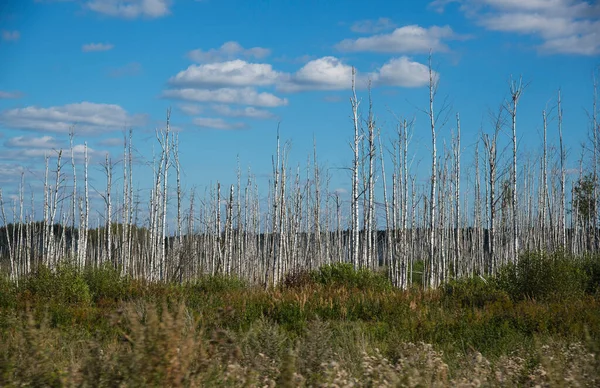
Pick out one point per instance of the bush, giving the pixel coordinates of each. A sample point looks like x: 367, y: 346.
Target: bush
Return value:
x: 65, y: 285
x: 472, y: 292
x: 591, y: 266
x: 8, y: 292
x: 217, y: 283
x: 543, y: 276
x: 106, y: 282
x: 344, y: 274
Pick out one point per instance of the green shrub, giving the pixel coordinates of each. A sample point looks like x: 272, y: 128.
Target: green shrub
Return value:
x: 106, y: 282
x: 472, y: 292
x: 217, y: 283
x: 344, y: 274
x: 543, y: 276
x: 591, y: 266
x: 64, y: 285
x: 8, y: 292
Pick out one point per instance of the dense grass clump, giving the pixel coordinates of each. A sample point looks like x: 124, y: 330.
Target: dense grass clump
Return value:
x: 546, y: 276
x: 537, y: 323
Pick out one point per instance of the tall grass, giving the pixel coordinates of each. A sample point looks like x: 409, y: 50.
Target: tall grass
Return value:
x: 338, y: 327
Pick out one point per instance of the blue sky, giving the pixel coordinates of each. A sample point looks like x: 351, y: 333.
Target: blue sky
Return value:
x: 232, y: 70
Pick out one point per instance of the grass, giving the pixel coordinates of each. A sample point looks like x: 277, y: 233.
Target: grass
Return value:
x: 537, y: 323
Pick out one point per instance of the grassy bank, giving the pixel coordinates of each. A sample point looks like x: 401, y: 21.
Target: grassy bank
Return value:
x: 538, y: 323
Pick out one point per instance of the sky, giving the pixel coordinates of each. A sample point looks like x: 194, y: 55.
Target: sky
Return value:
x: 232, y: 72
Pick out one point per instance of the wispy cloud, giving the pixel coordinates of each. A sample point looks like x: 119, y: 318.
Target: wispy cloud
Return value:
x: 191, y: 109
x: 32, y: 142
x: 407, y: 39
x: 131, y: 9
x: 216, y: 123
x: 373, y: 26
x: 85, y: 117
x: 562, y: 26
x: 4, y: 95
x: 111, y: 142
x: 10, y: 36
x: 247, y: 112
x: 91, y: 47
x: 128, y: 70
x: 229, y: 50
x: 242, y: 96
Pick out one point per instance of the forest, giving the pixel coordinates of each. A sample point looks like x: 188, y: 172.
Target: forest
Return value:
x: 488, y: 274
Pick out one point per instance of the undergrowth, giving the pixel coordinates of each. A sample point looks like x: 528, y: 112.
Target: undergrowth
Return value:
x: 536, y: 323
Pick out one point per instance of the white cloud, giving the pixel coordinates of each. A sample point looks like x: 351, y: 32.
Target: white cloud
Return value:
x: 248, y: 112
x: 32, y: 142
x: 407, y: 39
x: 4, y: 95
x: 327, y: 73
x: 562, y: 26
x: 402, y: 72
x: 330, y: 73
x: 216, y: 123
x: 10, y: 173
x: 90, y: 47
x: 229, y: 50
x: 242, y: 96
x: 373, y: 26
x: 85, y: 117
x: 10, y: 35
x: 235, y: 73
x: 191, y: 109
x: 131, y: 9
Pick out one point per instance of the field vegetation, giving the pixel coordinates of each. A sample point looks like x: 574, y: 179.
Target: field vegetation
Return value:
x: 485, y: 273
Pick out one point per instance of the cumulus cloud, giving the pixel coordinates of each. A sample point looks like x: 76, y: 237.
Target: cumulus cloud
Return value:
x: 402, y: 72
x: 10, y: 35
x: 562, y: 26
x: 407, y: 39
x: 131, y: 9
x: 247, y: 112
x: 85, y: 117
x: 242, y: 96
x: 229, y: 50
x: 327, y: 73
x: 330, y: 73
x: 91, y: 47
x: 216, y: 123
x: 235, y: 73
x: 373, y: 26
x: 4, y: 95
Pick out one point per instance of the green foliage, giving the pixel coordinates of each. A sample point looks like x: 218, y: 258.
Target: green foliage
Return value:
x: 591, y: 266
x: 543, y: 276
x: 106, y: 283
x: 65, y: 285
x: 344, y: 274
x: 472, y: 292
x: 8, y: 293
x: 340, y: 326
x: 583, y: 197
x: 216, y: 284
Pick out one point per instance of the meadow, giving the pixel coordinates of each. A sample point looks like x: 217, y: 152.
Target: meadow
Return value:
x: 533, y: 324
